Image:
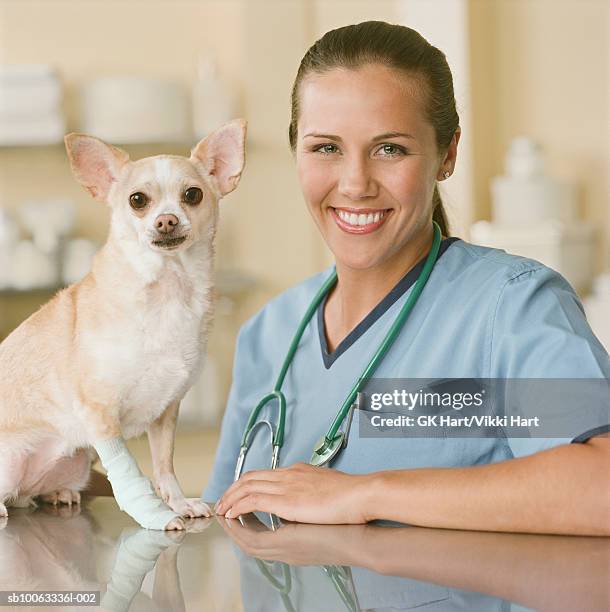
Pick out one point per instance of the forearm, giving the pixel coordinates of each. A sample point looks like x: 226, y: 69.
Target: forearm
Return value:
x: 562, y: 490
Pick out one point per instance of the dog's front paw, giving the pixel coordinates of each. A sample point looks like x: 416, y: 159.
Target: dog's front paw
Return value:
x: 175, y: 524
x: 63, y: 496
x: 192, y: 507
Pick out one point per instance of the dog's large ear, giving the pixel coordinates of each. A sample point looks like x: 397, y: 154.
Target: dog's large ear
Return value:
x: 95, y: 164
x: 223, y: 155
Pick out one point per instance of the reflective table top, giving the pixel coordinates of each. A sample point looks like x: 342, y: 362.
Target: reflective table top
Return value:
x: 256, y: 563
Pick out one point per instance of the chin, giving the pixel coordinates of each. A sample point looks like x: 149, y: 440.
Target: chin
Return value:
x: 361, y: 262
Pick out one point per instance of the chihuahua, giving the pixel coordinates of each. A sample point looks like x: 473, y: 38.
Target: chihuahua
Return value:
x: 112, y: 355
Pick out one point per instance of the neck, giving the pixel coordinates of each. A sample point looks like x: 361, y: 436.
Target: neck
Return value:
x: 124, y: 263
x: 358, y: 291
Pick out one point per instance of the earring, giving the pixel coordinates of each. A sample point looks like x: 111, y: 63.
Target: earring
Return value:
x: 446, y: 174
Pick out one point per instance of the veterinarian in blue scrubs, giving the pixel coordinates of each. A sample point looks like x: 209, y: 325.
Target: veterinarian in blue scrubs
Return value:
x: 374, y: 128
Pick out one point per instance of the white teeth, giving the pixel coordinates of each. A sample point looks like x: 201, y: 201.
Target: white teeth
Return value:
x: 359, y: 220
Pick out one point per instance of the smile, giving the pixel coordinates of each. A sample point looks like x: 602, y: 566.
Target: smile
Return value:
x: 168, y: 243
x: 359, y: 221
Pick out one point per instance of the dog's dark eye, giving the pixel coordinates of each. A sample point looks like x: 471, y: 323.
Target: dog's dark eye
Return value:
x: 193, y: 195
x: 138, y: 200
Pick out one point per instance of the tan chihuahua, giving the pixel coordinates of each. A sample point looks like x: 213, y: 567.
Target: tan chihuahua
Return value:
x: 112, y: 355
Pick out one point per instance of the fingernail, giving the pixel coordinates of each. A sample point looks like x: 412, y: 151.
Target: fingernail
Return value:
x: 218, y: 508
x: 229, y: 513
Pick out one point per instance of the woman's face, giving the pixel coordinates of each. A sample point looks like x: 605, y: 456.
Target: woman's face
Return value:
x: 367, y: 162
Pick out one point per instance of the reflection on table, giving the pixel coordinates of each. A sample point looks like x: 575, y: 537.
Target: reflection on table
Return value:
x: 256, y: 563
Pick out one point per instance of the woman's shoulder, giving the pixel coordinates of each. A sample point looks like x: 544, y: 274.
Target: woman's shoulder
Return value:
x: 468, y: 256
x: 479, y: 268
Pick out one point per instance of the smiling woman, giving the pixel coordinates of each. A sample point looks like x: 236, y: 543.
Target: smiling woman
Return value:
x: 373, y: 130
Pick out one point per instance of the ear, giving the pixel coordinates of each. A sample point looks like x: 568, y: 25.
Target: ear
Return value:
x: 95, y: 164
x: 223, y: 156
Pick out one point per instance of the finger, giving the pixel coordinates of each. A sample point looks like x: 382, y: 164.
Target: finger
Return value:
x: 249, y: 487
x: 260, y: 502
x: 269, y: 475
x: 248, y: 539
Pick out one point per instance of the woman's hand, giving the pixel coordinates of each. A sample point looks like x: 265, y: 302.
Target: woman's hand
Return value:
x: 298, y: 543
x: 301, y: 493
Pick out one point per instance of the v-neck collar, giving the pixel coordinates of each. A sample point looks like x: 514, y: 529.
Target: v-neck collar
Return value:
x: 401, y: 287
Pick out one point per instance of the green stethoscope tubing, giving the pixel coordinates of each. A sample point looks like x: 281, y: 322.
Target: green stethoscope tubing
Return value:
x: 329, y: 445
x: 339, y: 576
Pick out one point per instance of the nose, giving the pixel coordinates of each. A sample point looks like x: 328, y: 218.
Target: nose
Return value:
x: 356, y: 181
x: 166, y: 224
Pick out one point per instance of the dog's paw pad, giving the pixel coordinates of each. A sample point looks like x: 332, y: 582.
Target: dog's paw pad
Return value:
x: 193, y: 508
x: 63, y: 496
x: 49, y: 498
x: 67, y: 496
x: 177, y: 524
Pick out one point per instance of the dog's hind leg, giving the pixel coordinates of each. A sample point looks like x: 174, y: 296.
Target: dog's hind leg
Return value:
x: 12, y: 470
x: 70, y: 475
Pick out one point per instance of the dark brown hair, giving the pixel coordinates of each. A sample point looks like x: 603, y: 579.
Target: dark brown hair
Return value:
x: 394, y: 46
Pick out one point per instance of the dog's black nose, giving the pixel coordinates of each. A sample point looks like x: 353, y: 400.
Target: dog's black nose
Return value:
x: 166, y: 224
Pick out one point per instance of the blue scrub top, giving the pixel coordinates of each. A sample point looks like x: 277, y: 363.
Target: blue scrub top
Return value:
x: 482, y: 314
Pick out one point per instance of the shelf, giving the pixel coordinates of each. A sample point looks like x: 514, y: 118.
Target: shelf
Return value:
x: 229, y: 283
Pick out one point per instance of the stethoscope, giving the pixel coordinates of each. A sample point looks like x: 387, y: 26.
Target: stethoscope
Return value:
x: 339, y: 575
x: 334, y: 440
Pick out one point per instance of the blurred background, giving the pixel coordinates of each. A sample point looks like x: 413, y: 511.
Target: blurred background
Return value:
x: 154, y: 76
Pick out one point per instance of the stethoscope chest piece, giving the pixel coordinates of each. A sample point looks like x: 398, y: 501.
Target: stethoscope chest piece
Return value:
x: 325, y: 451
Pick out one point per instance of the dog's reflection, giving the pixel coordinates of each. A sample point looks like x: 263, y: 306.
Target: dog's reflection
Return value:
x: 60, y: 548
x: 48, y: 549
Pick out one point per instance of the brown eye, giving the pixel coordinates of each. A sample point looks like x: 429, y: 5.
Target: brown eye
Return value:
x: 138, y: 200
x: 193, y: 195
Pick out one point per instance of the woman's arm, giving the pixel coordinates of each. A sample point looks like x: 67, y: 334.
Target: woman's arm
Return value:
x: 564, y: 490
x: 535, y: 571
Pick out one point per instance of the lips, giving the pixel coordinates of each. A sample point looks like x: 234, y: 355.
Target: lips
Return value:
x: 360, y: 220
x: 169, y: 242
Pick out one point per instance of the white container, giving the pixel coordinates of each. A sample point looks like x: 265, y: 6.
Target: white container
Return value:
x: 525, y: 194
x: 31, y: 268
x: 77, y: 259
x: 568, y: 249
x: 131, y: 110
x: 532, y: 200
x: 29, y: 90
x: 30, y: 105
x: 48, y: 221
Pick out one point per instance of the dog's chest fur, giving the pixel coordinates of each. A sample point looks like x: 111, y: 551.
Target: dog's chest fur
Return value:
x: 152, y: 354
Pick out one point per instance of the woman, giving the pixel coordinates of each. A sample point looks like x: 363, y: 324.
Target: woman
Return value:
x: 374, y: 128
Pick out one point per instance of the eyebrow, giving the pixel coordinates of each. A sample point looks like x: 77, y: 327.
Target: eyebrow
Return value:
x: 377, y: 138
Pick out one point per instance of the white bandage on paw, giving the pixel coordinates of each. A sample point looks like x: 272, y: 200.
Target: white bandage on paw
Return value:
x: 137, y: 555
x: 132, y: 490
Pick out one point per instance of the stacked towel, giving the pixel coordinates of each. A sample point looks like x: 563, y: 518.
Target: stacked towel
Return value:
x: 30, y: 105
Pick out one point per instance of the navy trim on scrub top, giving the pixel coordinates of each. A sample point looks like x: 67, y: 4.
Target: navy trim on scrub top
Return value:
x: 399, y: 289
x: 587, y: 435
